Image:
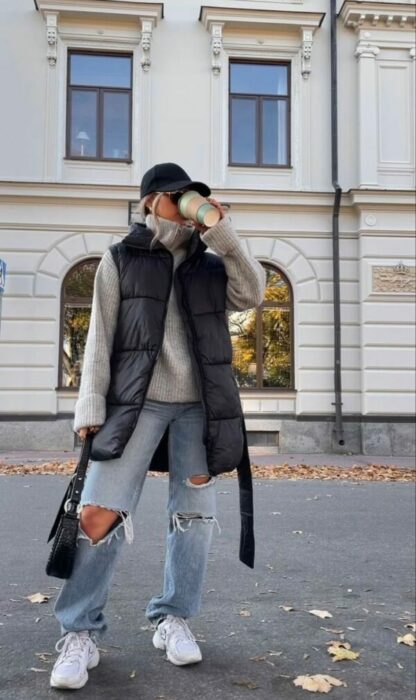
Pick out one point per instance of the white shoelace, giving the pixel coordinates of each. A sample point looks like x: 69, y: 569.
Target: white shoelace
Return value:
x: 179, y: 625
x: 72, y: 644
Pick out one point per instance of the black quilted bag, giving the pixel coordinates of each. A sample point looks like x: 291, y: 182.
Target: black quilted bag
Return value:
x: 65, y: 527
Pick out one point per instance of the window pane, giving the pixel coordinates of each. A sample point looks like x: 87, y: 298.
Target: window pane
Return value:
x: 116, y: 125
x: 276, y: 347
x: 83, y: 123
x: 100, y: 71
x: 258, y: 79
x: 79, y: 285
x: 274, y: 132
x: 277, y: 289
x: 76, y: 322
x: 242, y: 325
x: 243, y: 131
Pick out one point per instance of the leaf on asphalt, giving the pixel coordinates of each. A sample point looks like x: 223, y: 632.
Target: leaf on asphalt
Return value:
x: 408, y: 639
x: 320, y: 613
x: 412, y: 626
x: 38, y: 598
x: 43, y: 656
x: 133, y: 674
x: 245, y: 613
x: 246, y: 683
x: 319, y: 683
x: 342, y: 651
x: 38, y: 670
x: 332, y: 631
x: 258, y: 658
x: 286, y: 608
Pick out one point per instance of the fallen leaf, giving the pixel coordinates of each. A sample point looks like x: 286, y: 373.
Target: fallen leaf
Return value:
x: 133, y: 674
x: 286, y: 608
x: 412, y: 626
x: 320, y: 682
x: 341, y: 651
x: 38, y: 598
x: 320, y: 613
x: 408, y: 639
x: 38, y: 670
x: 245, y: 613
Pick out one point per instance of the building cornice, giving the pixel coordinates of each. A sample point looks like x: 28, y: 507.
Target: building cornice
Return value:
x: 377, y: 15
x: 112, y: 194
x: 112, y: 8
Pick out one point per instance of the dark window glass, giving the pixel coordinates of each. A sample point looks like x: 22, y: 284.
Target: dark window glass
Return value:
x: 243, y: 124
x: 259, y: 114
x: 99, y: 106
x: 84, y: 123
x: 100, y: 71
x: 262, y: 338
x: 258, y: 79
x: 116, y: 125
x: 77, y: 295
x: 274, y: 132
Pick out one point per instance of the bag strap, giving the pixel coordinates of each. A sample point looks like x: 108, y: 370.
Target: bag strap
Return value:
x: 78, y: 478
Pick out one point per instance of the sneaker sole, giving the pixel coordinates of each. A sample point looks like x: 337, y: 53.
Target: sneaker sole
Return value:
x: 62, y: 683
x: 160, y: 644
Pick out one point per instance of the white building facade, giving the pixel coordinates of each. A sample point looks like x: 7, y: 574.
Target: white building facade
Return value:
x: 94, y: 92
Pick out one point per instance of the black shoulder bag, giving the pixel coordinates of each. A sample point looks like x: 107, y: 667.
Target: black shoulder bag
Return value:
x: 61, y: 558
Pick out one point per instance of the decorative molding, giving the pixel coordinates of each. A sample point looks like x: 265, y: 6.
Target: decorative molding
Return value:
x: 52, y: 37
x: 377, y: 15
x: 147, y: 13
x: 216, y: 46
x: 218, y: 20
x: 365, y: 49
x: 119, y: 9
x: 307, y: 37
x: 393, y: 279
x: 146, y: 42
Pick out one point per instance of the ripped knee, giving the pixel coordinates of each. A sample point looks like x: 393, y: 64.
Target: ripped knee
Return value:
x: 100, y: 524
x: 200, y: 480
x: 189, y: 518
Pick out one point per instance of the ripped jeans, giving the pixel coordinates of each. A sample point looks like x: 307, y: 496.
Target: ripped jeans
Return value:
x: 117, y: 484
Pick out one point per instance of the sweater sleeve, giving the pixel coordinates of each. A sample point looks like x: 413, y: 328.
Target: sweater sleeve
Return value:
x: 90, y: 409
x: 246, y: 276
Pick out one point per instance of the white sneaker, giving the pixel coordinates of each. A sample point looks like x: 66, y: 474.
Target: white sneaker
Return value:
x: 78, y: 653
x: 174, y: 635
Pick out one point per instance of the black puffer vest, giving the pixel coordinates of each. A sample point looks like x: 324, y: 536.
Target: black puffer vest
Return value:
x: 200, y: 282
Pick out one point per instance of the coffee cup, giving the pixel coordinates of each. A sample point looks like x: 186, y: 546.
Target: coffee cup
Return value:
x: 194, y: 206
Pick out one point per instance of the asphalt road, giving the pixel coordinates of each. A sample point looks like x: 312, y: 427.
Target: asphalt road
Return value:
x: 354, y: 558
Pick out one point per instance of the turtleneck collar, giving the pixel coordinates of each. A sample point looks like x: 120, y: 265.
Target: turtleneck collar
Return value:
x: 171, y: 234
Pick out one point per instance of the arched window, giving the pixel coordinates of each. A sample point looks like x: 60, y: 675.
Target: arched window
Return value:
x: 263, y: 337
x: 76, y: 300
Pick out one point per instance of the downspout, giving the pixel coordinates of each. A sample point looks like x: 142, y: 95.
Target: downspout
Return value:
x: 335, y: 230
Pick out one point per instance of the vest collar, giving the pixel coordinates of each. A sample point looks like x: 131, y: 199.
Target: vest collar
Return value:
x: 139, y: 236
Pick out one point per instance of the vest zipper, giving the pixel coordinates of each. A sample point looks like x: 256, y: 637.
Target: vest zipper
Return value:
x: 199, y: 373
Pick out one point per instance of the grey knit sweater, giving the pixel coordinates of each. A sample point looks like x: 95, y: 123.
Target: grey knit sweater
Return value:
x: 173, y: 375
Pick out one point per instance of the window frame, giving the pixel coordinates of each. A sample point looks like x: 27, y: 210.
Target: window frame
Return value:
x: 100, y: 111
x: 259, y: 99
x: 259, y: 335
x: 83, y: 261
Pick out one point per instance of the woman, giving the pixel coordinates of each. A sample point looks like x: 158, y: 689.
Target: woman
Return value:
x: 141, y: 389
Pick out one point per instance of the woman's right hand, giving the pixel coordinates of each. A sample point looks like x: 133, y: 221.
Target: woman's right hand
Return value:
x: 82, y: 432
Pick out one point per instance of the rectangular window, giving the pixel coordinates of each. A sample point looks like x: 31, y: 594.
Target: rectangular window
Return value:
x: 99, y: 100
x: 259, y: 110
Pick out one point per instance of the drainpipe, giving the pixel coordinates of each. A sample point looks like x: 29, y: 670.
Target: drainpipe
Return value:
x: 335, y: 230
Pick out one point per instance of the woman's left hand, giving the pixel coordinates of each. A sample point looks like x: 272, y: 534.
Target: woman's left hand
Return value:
x: 201, y: 228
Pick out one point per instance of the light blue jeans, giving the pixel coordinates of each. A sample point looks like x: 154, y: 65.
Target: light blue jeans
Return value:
x: 117, y: 484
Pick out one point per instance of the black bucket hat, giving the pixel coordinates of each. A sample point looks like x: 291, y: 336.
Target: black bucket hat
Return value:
x: 167, y: 177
